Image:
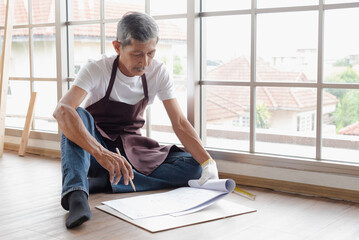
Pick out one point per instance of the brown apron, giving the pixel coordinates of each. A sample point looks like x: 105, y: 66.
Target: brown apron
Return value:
x: 121, y: 122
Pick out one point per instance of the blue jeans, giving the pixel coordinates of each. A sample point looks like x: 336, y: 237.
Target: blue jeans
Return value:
x: 77, y: 164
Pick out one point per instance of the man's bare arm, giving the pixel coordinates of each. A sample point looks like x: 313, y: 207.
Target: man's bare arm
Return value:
x: 74, y: 129
x: 185, y: 132
x: 190, y: 140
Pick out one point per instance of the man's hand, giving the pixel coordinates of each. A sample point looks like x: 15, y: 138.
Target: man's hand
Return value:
x: 115, y: 165
x: 209, y: 171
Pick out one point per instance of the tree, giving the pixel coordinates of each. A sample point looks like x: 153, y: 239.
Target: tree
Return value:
x: 347, y: 76
x: 177, y: 67
x: 262, y: 116
x: 347, y: 110
x: 343, y: 62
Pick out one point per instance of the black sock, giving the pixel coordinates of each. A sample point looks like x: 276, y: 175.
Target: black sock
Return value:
x: 99, y: 185
x: 79, y: 209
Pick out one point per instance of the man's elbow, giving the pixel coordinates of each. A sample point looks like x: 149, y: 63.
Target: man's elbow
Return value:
x: 55, y: 114
x: 59, y: 111
x: 180, y: 125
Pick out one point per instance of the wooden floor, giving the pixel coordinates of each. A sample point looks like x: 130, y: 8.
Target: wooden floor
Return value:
x: 30, y: 208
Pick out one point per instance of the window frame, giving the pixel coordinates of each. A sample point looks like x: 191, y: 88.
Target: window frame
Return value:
x: 252, y: 157
x: 36, y: 134
x: 196, y: 83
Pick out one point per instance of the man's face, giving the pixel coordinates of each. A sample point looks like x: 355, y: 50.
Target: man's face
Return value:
x: 134, y: 58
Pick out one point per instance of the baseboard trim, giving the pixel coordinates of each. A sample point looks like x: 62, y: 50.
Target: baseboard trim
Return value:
x: 34, y: 150
x: 294, y: 187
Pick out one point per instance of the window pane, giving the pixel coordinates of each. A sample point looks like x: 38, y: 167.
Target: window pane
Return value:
x: 1, y: 40
x: 340, y: 1
x: 86, y: 44
x: 46, y: 100
x: 215, y: 5
x: 20, y: 12
x: 341, y: 54
x: 226, y: 116
x: 19, y: 61
x: 117, y: 8
x: 165, y: 7
x: 110, y: 31
x: 83, y: 9
x: 18, y: 97
x: 341, y: 126
x: 2, y: 11
x: 172, y: 47
x: 286, y: 121
x: 226, y: 53
x: 44, y: 52
x: 287, y: 47
x: 284, y: 3
x: 161, y: 128
x: 43, y: 11
x: 172, y: 50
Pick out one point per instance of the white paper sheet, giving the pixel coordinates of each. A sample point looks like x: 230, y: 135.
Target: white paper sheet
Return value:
x: 228, y: 207
x: 181, y: 201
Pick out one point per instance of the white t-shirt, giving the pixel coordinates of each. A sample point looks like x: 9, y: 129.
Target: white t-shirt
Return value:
x: 94, y: 78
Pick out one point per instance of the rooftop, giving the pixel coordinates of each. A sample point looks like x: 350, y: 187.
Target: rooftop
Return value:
x: 352, y: 129
x: 236, y: 99
x: 44, y: 12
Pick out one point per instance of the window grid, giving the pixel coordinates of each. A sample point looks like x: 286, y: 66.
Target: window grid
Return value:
x: 31, y: 78
x: 253, y: 84
x: 319, y: 86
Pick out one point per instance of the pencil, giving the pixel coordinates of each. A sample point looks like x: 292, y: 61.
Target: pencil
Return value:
x: 133, y: 186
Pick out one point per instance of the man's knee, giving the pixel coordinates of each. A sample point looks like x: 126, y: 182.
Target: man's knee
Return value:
x: 192, y: 167
x: 84, y: 114
x: 86, y: 118
x: 196, y: 171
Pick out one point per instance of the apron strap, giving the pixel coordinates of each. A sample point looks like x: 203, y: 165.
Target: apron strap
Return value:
x: 113, y: 77
x: 144, y: 85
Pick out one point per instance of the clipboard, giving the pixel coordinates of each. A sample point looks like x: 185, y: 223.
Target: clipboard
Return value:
x: 219, y: 210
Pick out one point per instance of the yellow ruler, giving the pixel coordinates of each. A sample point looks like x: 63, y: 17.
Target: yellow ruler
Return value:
x: 244, y: 193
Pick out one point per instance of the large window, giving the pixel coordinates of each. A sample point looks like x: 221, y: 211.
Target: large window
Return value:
x: 281, y: 78
x: 269, y: 79
x: 32, y: 64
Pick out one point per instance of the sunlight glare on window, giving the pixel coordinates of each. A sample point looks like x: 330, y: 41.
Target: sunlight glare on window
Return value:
x: 18, y: 97
x: 341, y: 46
x: 225, y: 5
x: 19, y: 61
x: 287, y: 47
x: 284, y: 3
x: 165, y: 7
x: 226, y: 53
x: 117, y: 8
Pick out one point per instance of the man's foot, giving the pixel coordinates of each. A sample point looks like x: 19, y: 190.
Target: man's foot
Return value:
x: 79, y: 209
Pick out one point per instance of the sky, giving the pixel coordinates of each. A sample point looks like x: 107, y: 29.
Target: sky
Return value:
x: 282, y: 34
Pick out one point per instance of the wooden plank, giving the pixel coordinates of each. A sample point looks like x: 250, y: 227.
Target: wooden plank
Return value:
x: 41, y: 151
x: 27, y: 127
x: 4, y: 69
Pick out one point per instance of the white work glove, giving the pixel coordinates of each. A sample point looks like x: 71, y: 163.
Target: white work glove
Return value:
x: 209, y: 171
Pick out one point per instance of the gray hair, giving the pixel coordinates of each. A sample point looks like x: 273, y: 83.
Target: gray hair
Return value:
x: 138, y: 26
